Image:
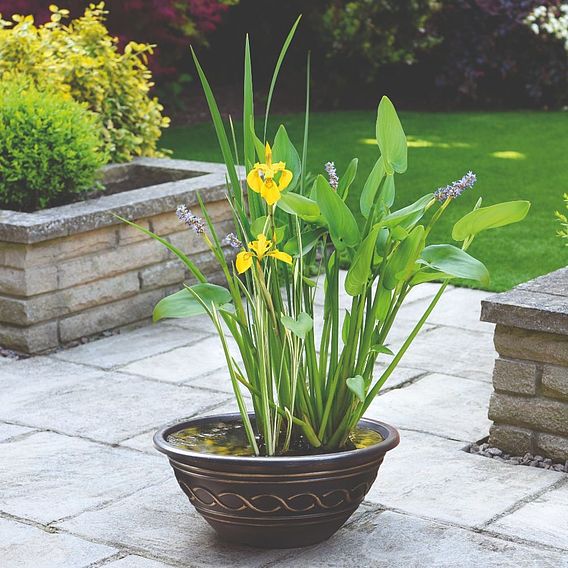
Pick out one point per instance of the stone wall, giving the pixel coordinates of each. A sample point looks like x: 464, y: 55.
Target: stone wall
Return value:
x: 529, y: 407
x: 76, y: 270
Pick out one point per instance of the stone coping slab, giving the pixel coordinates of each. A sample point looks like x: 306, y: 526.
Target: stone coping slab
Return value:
x: 27, y: 228
x: 540, y: 305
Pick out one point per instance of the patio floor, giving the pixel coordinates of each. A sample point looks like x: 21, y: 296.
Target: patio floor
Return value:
x: 82, y: 485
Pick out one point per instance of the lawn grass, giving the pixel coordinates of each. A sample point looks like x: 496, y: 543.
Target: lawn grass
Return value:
x: 516, y: 155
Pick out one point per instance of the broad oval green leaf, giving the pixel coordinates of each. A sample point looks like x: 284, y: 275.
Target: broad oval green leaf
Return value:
x: 371, y: 186
x: 455, y: 261
x: 391, y: 138
x: 299, y: 326
x: 408, y: 215
x: 403, y: 259
x: 387, y: 192
x: 343, y: 227
x: 284, y: 151
x: 357, y: 386
x: 347, y: 178
x: 360, y: 269
x: 309, y: 241
x: 184, y: 304
x: 490, y: 217
x: 299, y: 205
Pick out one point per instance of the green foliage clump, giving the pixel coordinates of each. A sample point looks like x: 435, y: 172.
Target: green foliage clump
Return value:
x: 563, y: 219
x: 49, y: 148
x: 82, y: 61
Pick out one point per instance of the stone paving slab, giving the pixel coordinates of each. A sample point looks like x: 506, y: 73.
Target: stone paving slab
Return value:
x: 458, y: 352
x: 429, y: 476
x: 24, y: 546
x: 47, y: 476
x: 445, y: 507
x: 458, y: 307
x: 129, y: 346
x: 544, y: 520
x: 109, y: 408
x: 27, y: 381
x: 184, y: 363
x: 160, y: 522
x: 460, y: 407
x: 392, y: 540
x: 8, y: 431
x: 135, y: 562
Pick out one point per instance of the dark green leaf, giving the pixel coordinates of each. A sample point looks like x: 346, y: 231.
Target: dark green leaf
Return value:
x: 391, y: 138
x: 360, y: 270
x: 347, y: 178
x: 300, y: 326
x: 371, y: 186
x: 357, y: 386
x: 343, y: 227
x: 455, y: 261
x: 490, y: 217
x: 183, y: 304
x: 283, y: 151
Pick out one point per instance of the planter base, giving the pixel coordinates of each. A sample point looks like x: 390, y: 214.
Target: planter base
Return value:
x: 282, y: 502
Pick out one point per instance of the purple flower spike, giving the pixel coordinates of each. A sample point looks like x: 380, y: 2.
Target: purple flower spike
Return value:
x: 332, y: 173
x: 456, y: 188
x: 232, y: 240
x: 192, y: 221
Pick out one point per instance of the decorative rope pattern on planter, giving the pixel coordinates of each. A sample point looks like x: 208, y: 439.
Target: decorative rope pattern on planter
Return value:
x: 205, y: 497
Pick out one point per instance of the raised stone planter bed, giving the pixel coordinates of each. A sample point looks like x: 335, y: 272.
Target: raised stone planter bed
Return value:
x: 76, y: 270
x: 529, y: 407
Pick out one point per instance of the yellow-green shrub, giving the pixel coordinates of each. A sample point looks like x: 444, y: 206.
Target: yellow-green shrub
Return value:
x: 49, y: 148
x: 82, y: 61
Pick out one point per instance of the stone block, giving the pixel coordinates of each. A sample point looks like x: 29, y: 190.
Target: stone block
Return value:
x: 431, y: 477
x: 511, y: 439
x: 531, y: 345
x: 109, y: 263
x: 161, y: 523
x: 69, y: 475
x: 555, y: 381
x: 29, y: 281
x: 23, y: 545
x: 392, y: 540
x: 528, y: 310
x: 106, y: 408
x: 55, y: 250
x: 127, y: 234
x: 461, y: 407
x: 111, y: 315
x: 544, y: 414
x: 60, y: 303
x: 543, y: 520
x: 515, y: 376
x: 33, y: 339
x: 162, y: 274
x: 555, y: 447
x: 129, y: 346
x: 185, y: 363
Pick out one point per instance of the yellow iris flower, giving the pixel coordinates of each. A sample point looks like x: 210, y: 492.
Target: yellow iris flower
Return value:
x: 265, y: 184
x: 259, y: 249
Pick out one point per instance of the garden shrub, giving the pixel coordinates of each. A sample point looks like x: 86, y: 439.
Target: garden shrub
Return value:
x: 82, y: 61
x: 169, y: 24
x: 49, y: 148
x: 502, y: 52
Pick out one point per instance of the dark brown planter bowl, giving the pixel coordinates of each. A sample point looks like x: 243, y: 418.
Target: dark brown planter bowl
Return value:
x: 277, y: 502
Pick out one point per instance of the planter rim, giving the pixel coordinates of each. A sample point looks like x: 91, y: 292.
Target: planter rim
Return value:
x: 390, y: 441
x: 90, y: 214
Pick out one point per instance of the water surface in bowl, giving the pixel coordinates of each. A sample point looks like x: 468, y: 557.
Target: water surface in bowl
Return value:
x: 229, y: 439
